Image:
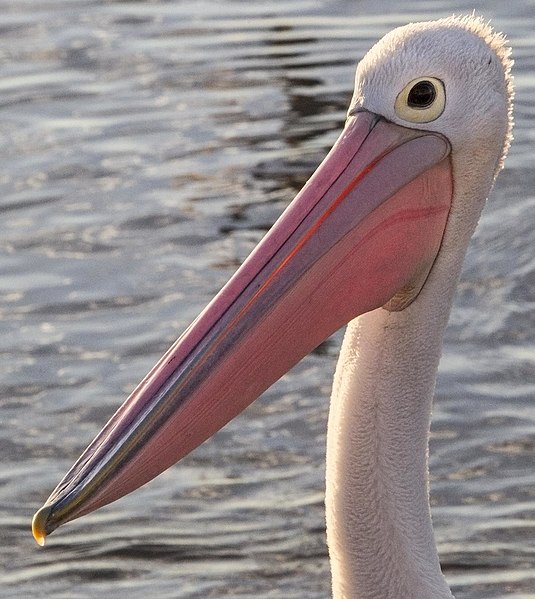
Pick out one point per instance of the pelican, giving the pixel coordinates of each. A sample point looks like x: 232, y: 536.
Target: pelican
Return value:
x: 376, y: 239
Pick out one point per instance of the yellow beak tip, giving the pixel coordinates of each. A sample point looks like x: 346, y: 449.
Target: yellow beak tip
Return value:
x: 39, y: 524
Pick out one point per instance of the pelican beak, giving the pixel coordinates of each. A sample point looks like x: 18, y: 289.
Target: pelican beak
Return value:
x: 362, y: 234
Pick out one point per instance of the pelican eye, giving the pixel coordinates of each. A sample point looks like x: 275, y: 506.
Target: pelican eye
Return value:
x: 422, y: 95
x: 421, y: 101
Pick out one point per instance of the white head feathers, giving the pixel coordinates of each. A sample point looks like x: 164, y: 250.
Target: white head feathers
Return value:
x: 468, y: 56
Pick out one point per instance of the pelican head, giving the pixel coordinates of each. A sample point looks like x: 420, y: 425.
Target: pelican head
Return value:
x: 468, y: 97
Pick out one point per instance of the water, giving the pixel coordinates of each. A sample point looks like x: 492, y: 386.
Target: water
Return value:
x: 146, y: 147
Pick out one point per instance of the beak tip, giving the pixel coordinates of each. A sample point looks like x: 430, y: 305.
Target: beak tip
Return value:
x: 39, y: 524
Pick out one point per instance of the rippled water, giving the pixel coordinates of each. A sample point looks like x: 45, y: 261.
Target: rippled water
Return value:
x: 146, y: 147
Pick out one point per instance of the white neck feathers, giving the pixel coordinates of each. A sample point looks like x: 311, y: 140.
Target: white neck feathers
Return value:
x: 378, y: 522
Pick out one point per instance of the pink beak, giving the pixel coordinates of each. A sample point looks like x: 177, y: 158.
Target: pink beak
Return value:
x: 367, y: 226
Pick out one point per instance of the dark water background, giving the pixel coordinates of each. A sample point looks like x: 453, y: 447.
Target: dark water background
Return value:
x: 146, y: 147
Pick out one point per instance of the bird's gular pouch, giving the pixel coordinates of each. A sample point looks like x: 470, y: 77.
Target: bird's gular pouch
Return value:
x: 413, y: 226
x: 400, y: 200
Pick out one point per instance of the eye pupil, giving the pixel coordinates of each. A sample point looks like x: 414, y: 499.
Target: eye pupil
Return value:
x: 422, y: 95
